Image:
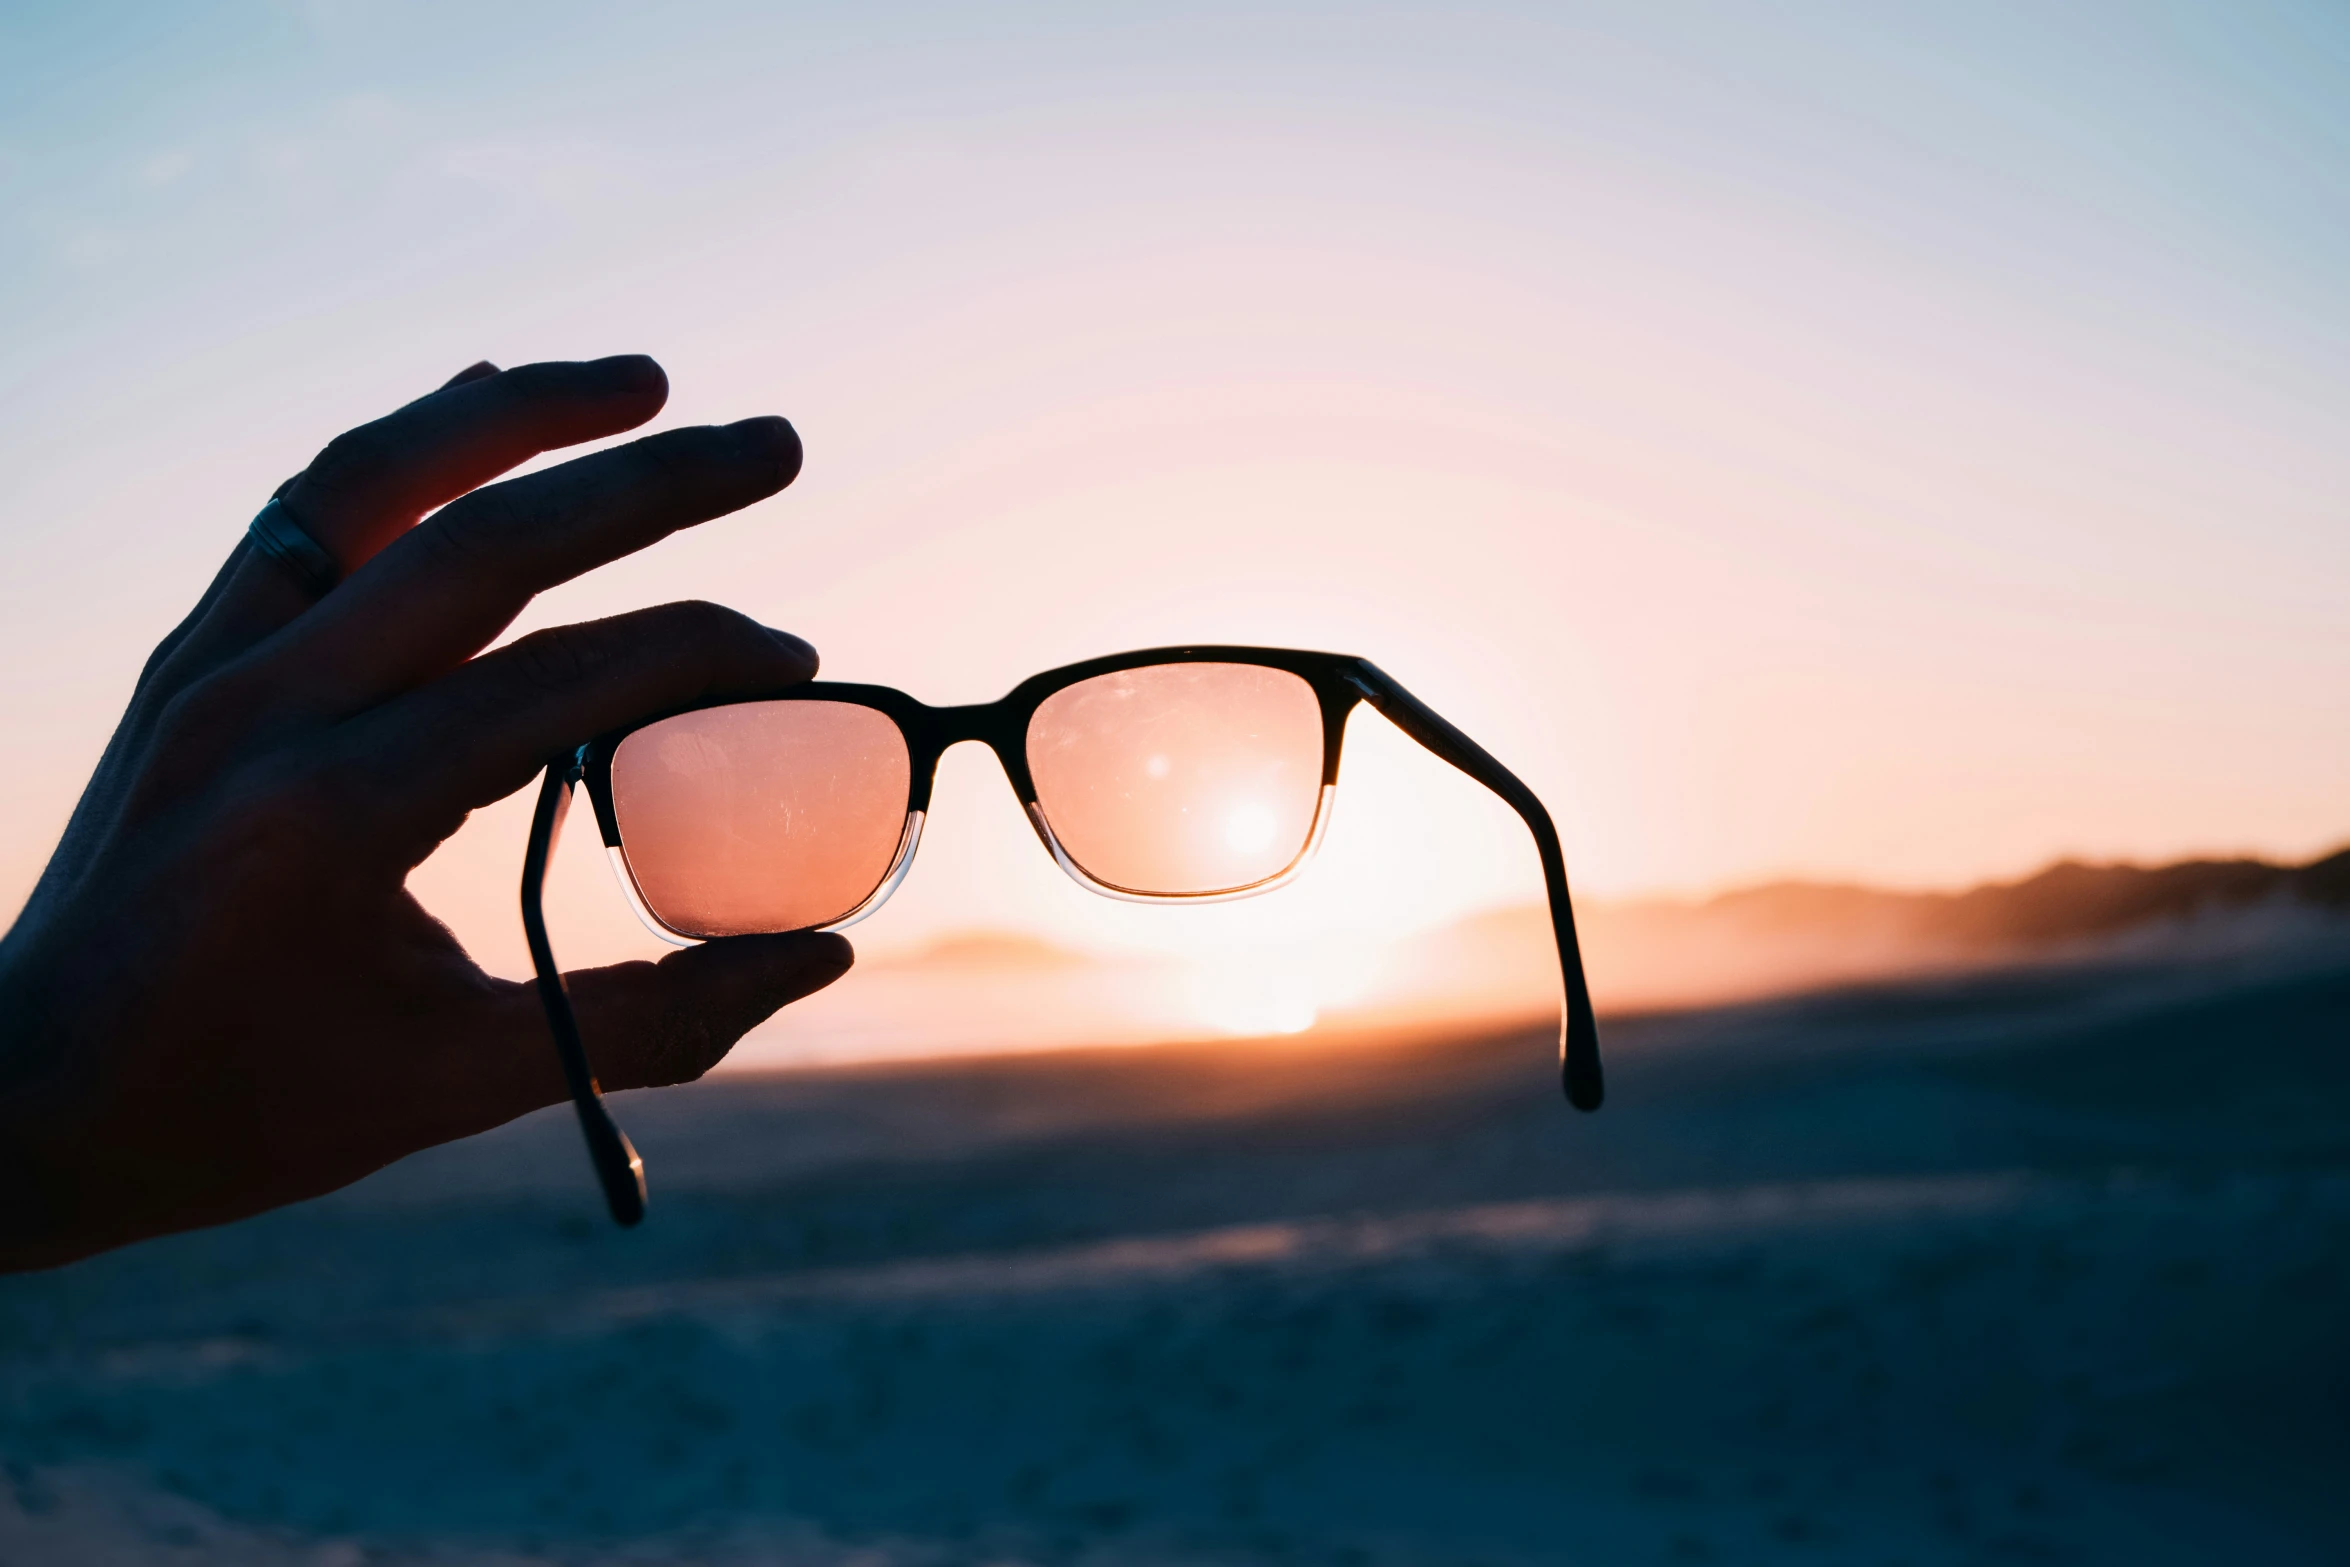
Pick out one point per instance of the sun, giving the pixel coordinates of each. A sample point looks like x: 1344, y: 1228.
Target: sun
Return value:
x: 1246, y: 1004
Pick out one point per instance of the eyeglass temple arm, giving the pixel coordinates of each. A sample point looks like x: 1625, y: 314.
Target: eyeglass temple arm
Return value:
x: 617, y: 1164
x: 1578, y: 1029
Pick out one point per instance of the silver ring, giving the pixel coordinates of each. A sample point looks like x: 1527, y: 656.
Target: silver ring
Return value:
x: 277, y: 535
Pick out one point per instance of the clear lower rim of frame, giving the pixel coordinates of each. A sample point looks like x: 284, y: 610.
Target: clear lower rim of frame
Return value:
x: 908, y: 839
x: 911, y: 838
x: 1273, y: 883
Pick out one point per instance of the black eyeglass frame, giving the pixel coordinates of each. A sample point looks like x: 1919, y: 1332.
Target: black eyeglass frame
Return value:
x: 1339, y: 681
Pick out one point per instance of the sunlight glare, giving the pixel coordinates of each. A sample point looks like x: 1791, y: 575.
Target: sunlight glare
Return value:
x: 1249, y: 827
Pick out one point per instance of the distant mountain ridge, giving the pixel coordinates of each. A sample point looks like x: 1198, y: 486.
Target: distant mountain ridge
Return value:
x: 2069, y: 901
x: 1797, y: 935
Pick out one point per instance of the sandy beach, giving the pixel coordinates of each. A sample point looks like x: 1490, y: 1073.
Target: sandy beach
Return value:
x: 2047, y: 1265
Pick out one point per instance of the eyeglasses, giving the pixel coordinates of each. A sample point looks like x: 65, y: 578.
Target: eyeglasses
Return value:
x: 1192, y: 774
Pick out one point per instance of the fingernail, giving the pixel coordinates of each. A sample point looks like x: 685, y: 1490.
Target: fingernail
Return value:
x: 796, y: 647
x: 634, y: 373
x: 775, y: 440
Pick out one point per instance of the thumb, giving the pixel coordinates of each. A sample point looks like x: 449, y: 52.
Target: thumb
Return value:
x: 647, y: 1024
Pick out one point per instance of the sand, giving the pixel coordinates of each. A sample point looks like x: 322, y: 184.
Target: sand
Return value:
x: 2043, y: 1266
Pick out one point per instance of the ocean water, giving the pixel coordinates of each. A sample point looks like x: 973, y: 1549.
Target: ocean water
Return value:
x: 2042, y: 1266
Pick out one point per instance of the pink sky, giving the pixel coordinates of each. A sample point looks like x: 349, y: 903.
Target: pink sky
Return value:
x: 1868, y: 454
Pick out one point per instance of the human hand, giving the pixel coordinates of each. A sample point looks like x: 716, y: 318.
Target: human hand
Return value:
x: 221, y: 997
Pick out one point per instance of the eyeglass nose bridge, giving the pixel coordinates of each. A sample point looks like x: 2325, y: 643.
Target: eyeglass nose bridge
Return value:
x: 1002, y: 729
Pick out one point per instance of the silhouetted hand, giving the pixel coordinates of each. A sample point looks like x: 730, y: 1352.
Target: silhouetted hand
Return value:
x: 220, y: 997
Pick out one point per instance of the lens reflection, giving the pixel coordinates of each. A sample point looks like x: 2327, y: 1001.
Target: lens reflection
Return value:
x: 761, y: 816
x: 1180, y: 778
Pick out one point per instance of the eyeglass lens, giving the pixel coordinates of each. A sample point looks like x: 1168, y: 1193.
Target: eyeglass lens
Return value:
x: 761, y: 816
x: 1180, y: 779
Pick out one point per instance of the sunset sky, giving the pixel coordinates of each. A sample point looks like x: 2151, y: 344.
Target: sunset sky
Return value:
x: 1799, y: 439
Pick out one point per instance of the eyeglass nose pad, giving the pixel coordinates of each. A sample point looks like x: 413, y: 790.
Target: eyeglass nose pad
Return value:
x: 1044, y: 832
